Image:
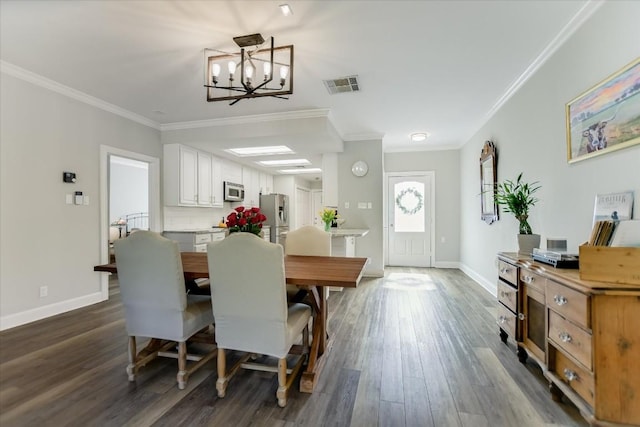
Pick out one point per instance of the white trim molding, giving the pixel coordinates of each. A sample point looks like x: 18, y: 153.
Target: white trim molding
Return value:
x: 585, y: 12
x: 242, y: 120
x: 24, y: 317
x: 488, y: 286
x: 38, y: 80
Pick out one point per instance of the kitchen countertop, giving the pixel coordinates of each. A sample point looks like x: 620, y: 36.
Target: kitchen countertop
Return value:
x: 199, y: 230
x: 345, y: 232
x: 348, y: 232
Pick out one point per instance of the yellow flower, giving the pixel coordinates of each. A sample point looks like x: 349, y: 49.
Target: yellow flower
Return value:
x: 328, y: 214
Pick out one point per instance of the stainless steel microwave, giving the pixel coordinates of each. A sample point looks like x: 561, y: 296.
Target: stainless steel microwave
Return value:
x: 233, y: 192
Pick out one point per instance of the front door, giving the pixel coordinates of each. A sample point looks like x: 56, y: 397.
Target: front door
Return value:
x: 409, y: 214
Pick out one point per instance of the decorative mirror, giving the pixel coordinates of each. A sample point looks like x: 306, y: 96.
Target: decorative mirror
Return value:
x: 488, y: 182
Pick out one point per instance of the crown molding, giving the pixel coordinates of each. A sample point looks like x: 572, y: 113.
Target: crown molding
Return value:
x: 585, y: 12
x: 365, y: 136
x: 243, y: 120
x: 38, y: 80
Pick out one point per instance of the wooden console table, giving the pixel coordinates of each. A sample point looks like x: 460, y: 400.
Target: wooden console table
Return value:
x: 585, y: 335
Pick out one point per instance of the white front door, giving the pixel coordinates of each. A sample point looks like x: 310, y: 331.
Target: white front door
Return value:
x: 409, y: 214
x: 303, y: 207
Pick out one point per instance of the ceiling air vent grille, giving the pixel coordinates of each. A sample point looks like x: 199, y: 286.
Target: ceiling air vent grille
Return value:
x: 342, y: 85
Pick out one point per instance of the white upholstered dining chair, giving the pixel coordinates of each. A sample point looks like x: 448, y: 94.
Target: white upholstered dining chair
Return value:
x: 250, y: 305
x: 157, y: 306
x: 310, y: 241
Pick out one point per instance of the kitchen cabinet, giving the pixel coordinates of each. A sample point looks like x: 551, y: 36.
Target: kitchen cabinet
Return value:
x: 194, y: 240
x: 217, y: 182
x: 251, y: 182
x: 191, y: 177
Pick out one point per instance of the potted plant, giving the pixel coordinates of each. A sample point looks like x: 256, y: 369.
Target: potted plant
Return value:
x: 517, y: 198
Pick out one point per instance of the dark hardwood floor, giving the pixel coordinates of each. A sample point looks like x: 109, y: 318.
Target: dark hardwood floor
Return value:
x: 417, y: 348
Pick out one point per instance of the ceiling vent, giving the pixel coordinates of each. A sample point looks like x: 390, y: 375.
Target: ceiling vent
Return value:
x: 342, y: 85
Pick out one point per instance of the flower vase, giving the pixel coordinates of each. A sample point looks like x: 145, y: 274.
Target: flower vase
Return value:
x: 327, y: 226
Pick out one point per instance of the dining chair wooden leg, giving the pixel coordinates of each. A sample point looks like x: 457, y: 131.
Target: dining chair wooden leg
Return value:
x: 221, y: 383
x: 182, y: 365
x: 305, y: 341
x: 281, y: 394
x: 132, y: 367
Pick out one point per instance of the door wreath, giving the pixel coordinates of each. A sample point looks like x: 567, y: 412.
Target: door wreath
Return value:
x: 408, y: 210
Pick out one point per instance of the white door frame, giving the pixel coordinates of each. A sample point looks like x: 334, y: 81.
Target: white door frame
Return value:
x: 155, y: 222
x: 432, y: 213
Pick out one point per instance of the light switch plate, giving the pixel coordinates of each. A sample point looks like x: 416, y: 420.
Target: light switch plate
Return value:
x: 86, y: 200
x: 346, y: 205
x: 362, y: 205
x: 369, y: 205
x: 69, y: 199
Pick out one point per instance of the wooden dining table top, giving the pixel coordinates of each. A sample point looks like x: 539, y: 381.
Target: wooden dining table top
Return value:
x: 299, y: 270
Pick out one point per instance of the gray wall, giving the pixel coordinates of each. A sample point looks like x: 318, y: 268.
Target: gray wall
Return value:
x: 368, y: 188
x: 45, y: 242
x: 446, y: 165
x: 529, y: 132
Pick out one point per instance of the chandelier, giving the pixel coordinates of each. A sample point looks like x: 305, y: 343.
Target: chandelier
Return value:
x: 250, y: 72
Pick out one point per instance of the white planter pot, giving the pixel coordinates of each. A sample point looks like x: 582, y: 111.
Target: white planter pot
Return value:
x: 527, y: 242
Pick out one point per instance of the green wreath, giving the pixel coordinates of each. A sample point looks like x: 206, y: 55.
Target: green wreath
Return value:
x: 403, y: 208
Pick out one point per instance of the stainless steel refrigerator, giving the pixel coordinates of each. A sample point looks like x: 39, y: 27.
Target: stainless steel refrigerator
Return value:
x: 276, y: 208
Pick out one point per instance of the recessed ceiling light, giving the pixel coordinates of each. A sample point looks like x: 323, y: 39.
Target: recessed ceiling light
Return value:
x: 300, y: 170
x: 285, y: 162
x: 260, y: 151
x: 419, y: 136
x: 286, y: 9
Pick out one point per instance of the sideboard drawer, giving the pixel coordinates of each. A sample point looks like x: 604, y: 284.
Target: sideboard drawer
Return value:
x: 580, y: 380
x: 508, y: 272
x: 506, y: 320
x: 571, y: 338
x: 508, y: 295
x: 533, y: 280
x: 573, y: 305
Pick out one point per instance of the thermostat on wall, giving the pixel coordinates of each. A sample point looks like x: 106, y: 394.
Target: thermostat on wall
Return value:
x: 69, y: 177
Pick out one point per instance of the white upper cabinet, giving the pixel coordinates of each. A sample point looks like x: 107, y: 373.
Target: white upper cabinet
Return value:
x: 205, y: 180
x: 217, y: 182
x: 191, y: 177
x: 266, y: 183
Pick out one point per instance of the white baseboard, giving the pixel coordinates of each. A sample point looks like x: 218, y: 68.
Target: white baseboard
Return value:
x: 28, y: 316
x: 490, y: 287
x: 373, y: 272
x: 447, y: 264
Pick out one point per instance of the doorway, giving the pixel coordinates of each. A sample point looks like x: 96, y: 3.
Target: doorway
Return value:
x: 410, y: 214
x: 127, y: 167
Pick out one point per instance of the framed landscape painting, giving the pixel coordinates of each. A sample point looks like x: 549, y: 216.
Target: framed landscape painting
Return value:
x: 606, y: 117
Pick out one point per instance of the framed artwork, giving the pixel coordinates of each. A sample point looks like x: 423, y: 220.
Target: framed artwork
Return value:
x: 606, y: 117
x: 613, y: 207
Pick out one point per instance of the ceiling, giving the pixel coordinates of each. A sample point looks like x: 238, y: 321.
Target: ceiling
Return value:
x: 441, y: 67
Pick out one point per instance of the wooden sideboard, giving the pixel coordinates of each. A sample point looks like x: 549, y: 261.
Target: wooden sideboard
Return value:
x: 585, y: 335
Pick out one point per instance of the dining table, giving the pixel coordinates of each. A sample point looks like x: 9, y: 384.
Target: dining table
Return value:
x: 313, y: 273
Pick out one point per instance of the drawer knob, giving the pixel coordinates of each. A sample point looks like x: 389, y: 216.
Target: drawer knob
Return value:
x: 565, y: 337
x: 521, y: 316
x: 504, y: 270
x: 528, y: 279
x: 570, y: 375
x: 560, y: 300
x: 502, y: 320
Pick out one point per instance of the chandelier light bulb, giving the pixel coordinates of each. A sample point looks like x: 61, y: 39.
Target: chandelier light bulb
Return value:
x: 248, y: 70
x: 232, y: 68
x: 267, y: 69
x: 284, y: 71
x: 215, y: 70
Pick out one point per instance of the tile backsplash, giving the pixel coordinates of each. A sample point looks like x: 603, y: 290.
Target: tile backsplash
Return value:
x: 189, y: 218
